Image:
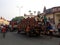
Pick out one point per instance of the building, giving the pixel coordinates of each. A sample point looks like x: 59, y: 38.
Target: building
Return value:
x: 53, y: 14
x: 26, y: 16
x: 4, y: 21
x: 32, y: 16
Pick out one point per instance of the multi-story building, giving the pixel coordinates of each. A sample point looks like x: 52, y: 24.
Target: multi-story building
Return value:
x: 53, y: 13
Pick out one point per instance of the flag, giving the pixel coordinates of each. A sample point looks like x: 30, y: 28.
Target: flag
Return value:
x: 45, y: 19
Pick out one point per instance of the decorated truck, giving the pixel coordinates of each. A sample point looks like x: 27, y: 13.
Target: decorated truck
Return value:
x: 30, y: 26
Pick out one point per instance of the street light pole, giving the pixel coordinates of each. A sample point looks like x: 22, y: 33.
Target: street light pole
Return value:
x: 19, y: 9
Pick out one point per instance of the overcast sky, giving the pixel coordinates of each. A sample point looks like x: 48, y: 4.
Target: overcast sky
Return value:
x: 13, y: 8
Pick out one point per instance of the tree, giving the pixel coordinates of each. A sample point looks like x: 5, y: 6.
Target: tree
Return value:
x: 34, y: 12
x: 29, y: 11
x: 18, y: 19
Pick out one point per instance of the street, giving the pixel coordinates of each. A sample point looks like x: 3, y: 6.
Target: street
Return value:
x: 12, y: 38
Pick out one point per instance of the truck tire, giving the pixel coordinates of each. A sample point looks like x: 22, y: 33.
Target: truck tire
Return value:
x: 28, y: 34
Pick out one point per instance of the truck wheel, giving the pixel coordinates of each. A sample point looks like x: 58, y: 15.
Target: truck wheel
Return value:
x: 37, y: 34
x: 10, y: 30
x: 28, y: 34
x: 18, y: 32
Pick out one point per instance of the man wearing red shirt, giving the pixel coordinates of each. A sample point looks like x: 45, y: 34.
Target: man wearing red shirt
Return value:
x: 4, y: 31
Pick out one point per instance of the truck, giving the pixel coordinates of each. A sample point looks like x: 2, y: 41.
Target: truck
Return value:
x: 29, y: 26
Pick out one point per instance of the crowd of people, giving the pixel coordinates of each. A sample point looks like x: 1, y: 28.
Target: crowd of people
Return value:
x: 51, y: 27
x: 47, y: 27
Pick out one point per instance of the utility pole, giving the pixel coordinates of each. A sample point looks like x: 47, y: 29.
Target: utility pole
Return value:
x: 19, y: 9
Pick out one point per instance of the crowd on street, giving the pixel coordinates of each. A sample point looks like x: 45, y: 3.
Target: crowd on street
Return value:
x: 48, y: 27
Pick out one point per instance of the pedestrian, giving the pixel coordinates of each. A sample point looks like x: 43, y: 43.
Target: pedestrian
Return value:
x: 19, y: 29
x: 27, y: 28
x: 53, y: 27
x: 58, y: 27
x: 50, y: 30
x: 4, y: 31
x: 0, y: 28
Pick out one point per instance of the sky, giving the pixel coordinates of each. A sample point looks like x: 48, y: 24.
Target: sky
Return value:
x: 12, y: 8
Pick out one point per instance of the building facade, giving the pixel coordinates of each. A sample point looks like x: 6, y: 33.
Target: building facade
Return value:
x: 4, y: 21
x: 53, y: 13
x: 26, y: 16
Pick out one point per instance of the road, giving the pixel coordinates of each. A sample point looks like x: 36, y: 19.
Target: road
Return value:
x: 12, y: 38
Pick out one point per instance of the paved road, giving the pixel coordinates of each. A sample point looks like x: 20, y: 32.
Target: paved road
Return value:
x: 12, y: 38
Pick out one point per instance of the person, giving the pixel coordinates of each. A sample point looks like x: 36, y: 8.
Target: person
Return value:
x: 58, y: 27
x: 0, y: 28
x: 4, y: 31
x: 49, y: 29
x: 19, y: 29
x: 27, y: 28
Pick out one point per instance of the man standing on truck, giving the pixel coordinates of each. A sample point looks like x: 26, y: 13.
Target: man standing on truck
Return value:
x: 58, y: 27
